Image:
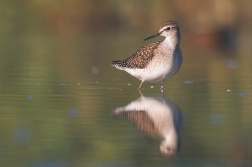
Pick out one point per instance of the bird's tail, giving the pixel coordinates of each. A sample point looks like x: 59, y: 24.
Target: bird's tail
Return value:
x: 117, y: 64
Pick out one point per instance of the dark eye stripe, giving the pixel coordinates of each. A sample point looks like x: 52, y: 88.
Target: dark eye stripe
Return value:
x: 168, y: 28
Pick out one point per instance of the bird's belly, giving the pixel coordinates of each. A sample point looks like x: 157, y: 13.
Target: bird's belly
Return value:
x: 158, y: 73
x: 153, y: 73
x: 160, y: 68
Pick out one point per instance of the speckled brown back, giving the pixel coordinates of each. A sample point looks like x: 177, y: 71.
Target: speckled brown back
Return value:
x: 140, y: 58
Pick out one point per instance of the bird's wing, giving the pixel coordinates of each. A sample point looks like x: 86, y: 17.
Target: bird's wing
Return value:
x: 141, y: 57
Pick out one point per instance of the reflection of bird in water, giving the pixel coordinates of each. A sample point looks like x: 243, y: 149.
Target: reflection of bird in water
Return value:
x: 157, y: 117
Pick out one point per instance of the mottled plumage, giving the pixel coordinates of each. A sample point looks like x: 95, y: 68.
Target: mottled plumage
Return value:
x: 140, y: 58
x: 157, y: 61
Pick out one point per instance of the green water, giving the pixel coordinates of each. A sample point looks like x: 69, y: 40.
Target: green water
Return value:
x: 58, y: 94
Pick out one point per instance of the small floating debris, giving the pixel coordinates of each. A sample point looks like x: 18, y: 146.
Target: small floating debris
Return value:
x: 30, y: 97
x: 22, y: 135
x: 216, y: 119
x: 62, y: 84
x: 188, y: 82
x: 78, y: 83
x: 151, y: 87
x: 95, y: 70
x: 243, y: 94
x: 95, y: 88
x: 129, y: 84
x: 73, y: 112
x: 114, y: 80
x: 110, y: 88
x: 228, y: 90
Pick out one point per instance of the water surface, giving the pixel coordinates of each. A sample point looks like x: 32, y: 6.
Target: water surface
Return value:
x: 58, y: 95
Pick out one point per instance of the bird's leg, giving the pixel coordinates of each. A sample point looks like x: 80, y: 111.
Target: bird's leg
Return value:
x: 140, y: 91
x: 140, y: 86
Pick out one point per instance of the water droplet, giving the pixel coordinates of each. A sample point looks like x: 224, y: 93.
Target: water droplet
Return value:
x: 129, y: 84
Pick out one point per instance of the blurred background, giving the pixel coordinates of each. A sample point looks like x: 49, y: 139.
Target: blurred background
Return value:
x: 57, y: 88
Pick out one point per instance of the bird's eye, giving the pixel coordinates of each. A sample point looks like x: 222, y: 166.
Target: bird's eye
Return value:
x: 168, y: 28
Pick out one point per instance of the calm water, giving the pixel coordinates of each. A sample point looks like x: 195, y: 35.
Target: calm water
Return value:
x: 62, y: 104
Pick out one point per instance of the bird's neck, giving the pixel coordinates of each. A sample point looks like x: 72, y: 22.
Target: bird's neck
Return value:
x: 171, y: 42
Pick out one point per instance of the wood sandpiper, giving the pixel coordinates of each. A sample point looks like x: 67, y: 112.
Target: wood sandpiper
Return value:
x: 157, y: 61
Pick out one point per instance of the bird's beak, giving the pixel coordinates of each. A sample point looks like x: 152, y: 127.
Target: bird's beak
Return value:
x: 153, y: 36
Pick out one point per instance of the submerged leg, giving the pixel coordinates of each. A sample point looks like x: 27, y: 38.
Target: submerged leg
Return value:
x: 140, y: 91
x: 140, y: 86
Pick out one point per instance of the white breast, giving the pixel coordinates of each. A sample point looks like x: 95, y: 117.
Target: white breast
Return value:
x: 165, y: 63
